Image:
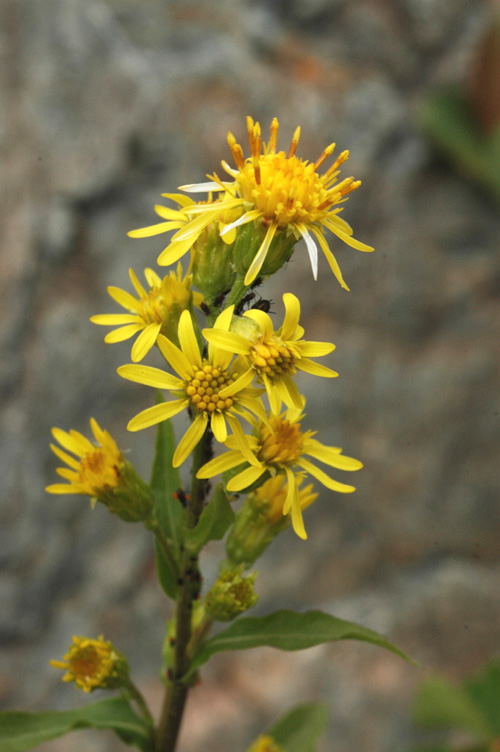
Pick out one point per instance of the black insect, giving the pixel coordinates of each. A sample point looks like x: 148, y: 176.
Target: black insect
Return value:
x: 263, y: 305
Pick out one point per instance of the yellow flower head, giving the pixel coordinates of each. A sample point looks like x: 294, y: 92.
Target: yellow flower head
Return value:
x: 275, y: 356
x: 93, y: 664
x: 155, y: 310
x: 284, y: 193
x: 98, y: 467
x: 214, y: 389
x: 265, y: 743
x: 281, y: 448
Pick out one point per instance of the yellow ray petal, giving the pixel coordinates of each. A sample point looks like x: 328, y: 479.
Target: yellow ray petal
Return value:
x: 347, y: 238
x: 238, y: 385
x: 226, y: 461
x: 123, y: 298
x: 115, y: 319
x: 166, y: 213
x: 190, y: 439
x: 145, y: 342
x: 245, y: 478
x: 150, y: 377
x: 74, y: 442
x: 67, y: 458
x: 315, y: 349
x: 158, y: 229
x: 260, y: 256
x: 219, y: 428
x: 332, y: 261
x: 175, y: 357
x: 123, y: 333
x: 289, y: 393
x: 292, y: 315
x: 262, y: 319
x: 227, y: 341
x: 153, y: 415
x: 242, y: 440
x: 325, y: 479
x: 187, y: 339
x: 194, y: 227
x: 62, y: 488
x: 316, y: 369
x: 137, y: 285
x: 330, y: 456
x: 174, y: 251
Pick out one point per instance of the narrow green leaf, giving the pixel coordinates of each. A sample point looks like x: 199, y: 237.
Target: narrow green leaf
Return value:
x: 288, y: 630
x: 20, y: 731
x: 439, y: 704
x: 214, y: 521
x: 301, y: 728
x: 484, y: 690
x: 165, y: 481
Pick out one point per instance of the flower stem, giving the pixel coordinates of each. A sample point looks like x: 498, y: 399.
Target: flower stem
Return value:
x: 189, y: 587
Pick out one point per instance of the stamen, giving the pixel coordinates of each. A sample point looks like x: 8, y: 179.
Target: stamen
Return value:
x: 343, y: 157
x: 325, y: 155
x: 273, y: 139
x: 236, y: 151
x: 294, y: 144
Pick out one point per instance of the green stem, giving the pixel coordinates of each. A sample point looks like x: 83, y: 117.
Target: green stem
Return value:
x: 237, y: 293
x: 163, y: 542
x: 136, y: 695
x: 189, y: 588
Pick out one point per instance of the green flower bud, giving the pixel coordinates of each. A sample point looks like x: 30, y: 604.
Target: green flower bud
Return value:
x: 132, y: 499
x: 231, y: 595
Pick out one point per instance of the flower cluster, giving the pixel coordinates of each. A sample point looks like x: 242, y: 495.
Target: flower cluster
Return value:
x: 239, y: 370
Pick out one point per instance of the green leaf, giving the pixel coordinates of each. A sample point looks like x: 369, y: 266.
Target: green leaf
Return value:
x: 215, y: 520
x: 20, y: 731
x: 288, y: 630
x: 301, y: 728
x: 439, y: 704
x: 484, y: 690
x: 170, y: 513
x: 449, y: 121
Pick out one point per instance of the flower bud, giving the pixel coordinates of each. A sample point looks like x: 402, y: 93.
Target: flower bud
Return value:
x: 231, y: 595
x: 261, y: 519
x: 102, y: 473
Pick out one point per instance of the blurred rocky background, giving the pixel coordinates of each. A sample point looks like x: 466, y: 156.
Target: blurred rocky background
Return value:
x: 105, y: 104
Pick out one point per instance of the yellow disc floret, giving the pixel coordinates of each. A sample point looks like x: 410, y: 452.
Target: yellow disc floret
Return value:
x: 203, y: 390
x: 274, y: 358
x: 281, y: 442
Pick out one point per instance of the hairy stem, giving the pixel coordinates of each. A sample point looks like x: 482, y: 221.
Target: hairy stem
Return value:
x: 189, y: 588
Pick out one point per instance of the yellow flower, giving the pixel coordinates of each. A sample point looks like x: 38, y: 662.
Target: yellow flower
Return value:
x: 154, y: 310
x: 287, y: 195
x: 281, y: 446
x: 214, y: 389
x: 265, y: 743
x: 93, y: 664
x: 274, y: 356
x: 96, y: 472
